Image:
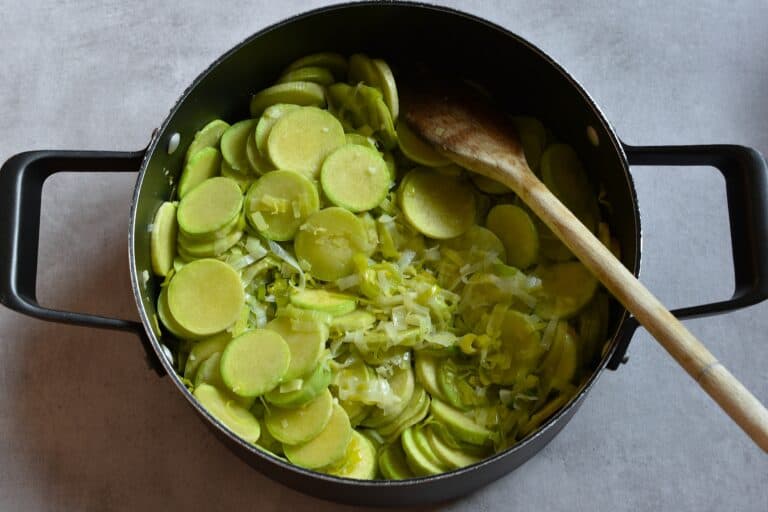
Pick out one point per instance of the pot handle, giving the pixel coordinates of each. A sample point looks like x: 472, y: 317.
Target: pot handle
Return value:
x: 744, y: 170
x: 21, y: 188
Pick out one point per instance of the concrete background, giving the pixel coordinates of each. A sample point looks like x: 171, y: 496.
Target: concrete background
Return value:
x: 85, y: 426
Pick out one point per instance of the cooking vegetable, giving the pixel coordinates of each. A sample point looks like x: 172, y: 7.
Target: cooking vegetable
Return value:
x: 516, y: 230
x: 233, y: 145
x: 565, y: 289
x: 328, y: 447
x: 255, y: 362
x: 327, y: 242
x: 385, y: 81
x: 452, y: 458
x: 335, y: 304
x: 419, y: 457
x: 392, y: 463
x: 416, y: 149
x: 203, y: 350
x: 163, y: 240
x: 205, y: 297
x: 459, y: 425
x: 306, y: 342
x: 328, y: 274
x: 296, y: 93
x: 438, y: 206
x: 300, y: 424
x: 355, y: 177
x: 267, y: 122
x: 358, y: 462
x: 362, y: 108
x: 302, y: 138
x: 232, y: 415
x: 564, y: 175
x: 336, y: 63
x: 201, y: 166
x: 209, y: 207
x: 316, y: 74
x: 401, y: 386
x: 208, y: 136
x: 279, y: 202
x: 311, y: 385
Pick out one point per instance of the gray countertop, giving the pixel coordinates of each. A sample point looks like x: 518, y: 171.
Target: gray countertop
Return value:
x: 85, y: 426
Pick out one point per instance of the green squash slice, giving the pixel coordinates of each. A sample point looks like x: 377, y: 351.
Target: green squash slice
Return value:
x: 203, y: 165
x: 359, y: 462
x: 243, y: 180
x: 403, y: 385
x: 334, y: 62
x: 417, y: 149
x: 306, y: 341
x: 327, y: 242
x: 162, y: 242
x: 436, y: 205
x: 208, y: 136
x: 235, y: 417
x: 328, y: 447
x: 300, y: 424
x: 204, y: 349
x: 354, y: 321
x: 209, y: 373
x: 488, y: 185
x: 333, y: 303
x: 350, y: 382
x: 257, y: 161
x: 361, y: 70
x: 392, y: 463
x: 355, y: 177
x: 425, y: 367
x: 385, y: 82
x: 236, y: 224
x: 167, y: 319
x: 205, y: 297
x: 559, y: 367
x: 362, y: 109
x: 233, y: 145
x: 301, y: 139
x: 296, y: 93
x: 267, y: 122
x: 197, y: 250
x: 209, y: 207
x: 462, y: 428
x: 361, y: 140
x: 563, y: 173
x: 518, y: 233
x: 314, y: 74
x: 477, y: 243
x: 312, y: 385
x: 255, y: 362
x: 417, y: 410
x: 420, y: 462
x: 565, y: 289
x: 279, y: 202
x: 451, y: 457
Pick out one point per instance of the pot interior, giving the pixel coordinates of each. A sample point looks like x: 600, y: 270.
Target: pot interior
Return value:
x: 521, y: 78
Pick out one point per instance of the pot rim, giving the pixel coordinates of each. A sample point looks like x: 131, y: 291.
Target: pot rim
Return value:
x: 161, y: 350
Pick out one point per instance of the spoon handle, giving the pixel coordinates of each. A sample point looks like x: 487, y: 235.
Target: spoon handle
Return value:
x: 725, y: 389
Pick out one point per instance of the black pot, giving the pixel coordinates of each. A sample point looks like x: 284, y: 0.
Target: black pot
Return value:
x: 523, y: 78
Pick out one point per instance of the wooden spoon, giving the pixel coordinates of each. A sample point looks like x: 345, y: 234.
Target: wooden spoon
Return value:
x: 468, y: 131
